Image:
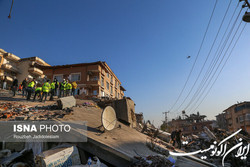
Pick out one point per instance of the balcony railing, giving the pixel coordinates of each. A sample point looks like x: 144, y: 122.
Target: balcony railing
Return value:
x: 12, y: 57
x: 9, y: 67
x: 35, y: 71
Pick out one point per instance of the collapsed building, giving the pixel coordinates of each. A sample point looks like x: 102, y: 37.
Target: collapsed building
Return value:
x: 192, y: 124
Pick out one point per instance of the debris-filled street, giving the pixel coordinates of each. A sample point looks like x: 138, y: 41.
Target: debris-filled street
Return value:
x: 143, y: 145
x: 133, y: 83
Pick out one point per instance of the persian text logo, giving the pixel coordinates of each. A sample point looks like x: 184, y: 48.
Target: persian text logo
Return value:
x: 220, y: 149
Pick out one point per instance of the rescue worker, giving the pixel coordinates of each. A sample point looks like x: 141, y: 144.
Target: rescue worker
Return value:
x: 46, y: 90
x: 30, y: 88
x: 62, y: 88
x: 74, y: 86
x: 38, y: 91
x: 68, y: 88
x: 52, y: 90
x: 56, y: 87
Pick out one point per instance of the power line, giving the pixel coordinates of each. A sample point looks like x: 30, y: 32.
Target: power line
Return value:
x: 221, y: 68
x: 196, y: 57
x: 207, y: 57
x: 217, y: 59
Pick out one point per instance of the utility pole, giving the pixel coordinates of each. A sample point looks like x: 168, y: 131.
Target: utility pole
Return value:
x: 166, y: 117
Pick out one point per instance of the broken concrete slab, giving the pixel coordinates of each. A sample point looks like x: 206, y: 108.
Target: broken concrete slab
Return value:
x: 66, y: 102
x: 62, y: 155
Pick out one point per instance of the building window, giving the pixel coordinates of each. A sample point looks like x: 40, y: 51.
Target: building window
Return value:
x: 59, y: 77
x: 118, y: 95
x: 95, y: 78
x: 102, y: 82
x: 75, y: 77
x: 107, y: 85
x: 102, y: 93
x: 107, y: 74
x: 95, y: 92
x: 241, y: 118
x: 247, y: 117
x: 111, y: 91
x: 116, y: 84
x: 111, y: 79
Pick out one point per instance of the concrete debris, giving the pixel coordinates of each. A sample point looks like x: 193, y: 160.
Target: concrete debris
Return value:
x: 206, y: 139
x: 18, y: 159
x: 13, y: 111
x: 92, y: 163
x: 63, y: 155
x: 66, y: 102
x: 5, y: 153
x: 152, y: 161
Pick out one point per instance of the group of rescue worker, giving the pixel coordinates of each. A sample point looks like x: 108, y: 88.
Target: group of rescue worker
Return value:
x: 55, y: 88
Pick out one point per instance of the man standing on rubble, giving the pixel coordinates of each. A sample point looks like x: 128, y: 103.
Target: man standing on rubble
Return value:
x: 68, y: 88
x: 24, y: 85
x: 38, y: 92
x: 173, y: 135
x: 5, y: 82
x: 52, y: 91
x: 30, y: 89
x: 56, y: 87
x: 14, y: 86
x: 62, y: 88
x: 178, y: 138
x: 46, y: 89
x: 74, y: 86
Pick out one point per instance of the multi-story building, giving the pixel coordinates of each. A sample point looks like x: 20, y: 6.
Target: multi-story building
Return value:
x: 8, y: 66
x: 221, y: 121
x: 238, y: 117
x: 12, y: 66
x: 30, y: 68
x: 94, y: 79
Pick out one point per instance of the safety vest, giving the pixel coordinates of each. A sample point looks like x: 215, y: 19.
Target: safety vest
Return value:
x: 63, y: 86
x: 31, y: 84
x: 46, y: 87
x: 53, y: 85
x: 69, y: 86
x: 38, y: 89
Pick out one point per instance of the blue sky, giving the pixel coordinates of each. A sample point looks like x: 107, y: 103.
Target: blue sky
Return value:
x: 145, y: 43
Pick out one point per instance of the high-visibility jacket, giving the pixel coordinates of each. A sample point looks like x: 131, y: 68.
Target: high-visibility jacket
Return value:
x: 69, y: 86
x: 53, y: 85
x: 63, y: 86
x: 46, y: 87
x: 38, y: 89
x: 31, y: 84
x: 74, y: 85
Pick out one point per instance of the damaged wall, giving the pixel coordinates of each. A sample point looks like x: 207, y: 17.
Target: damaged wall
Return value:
x: 125, y: 111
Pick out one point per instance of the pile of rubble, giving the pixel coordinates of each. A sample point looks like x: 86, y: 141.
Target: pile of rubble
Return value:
x: 61, y: 155
x: 153, y: 161
x: 13, y: 111
x: 205, y: 139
